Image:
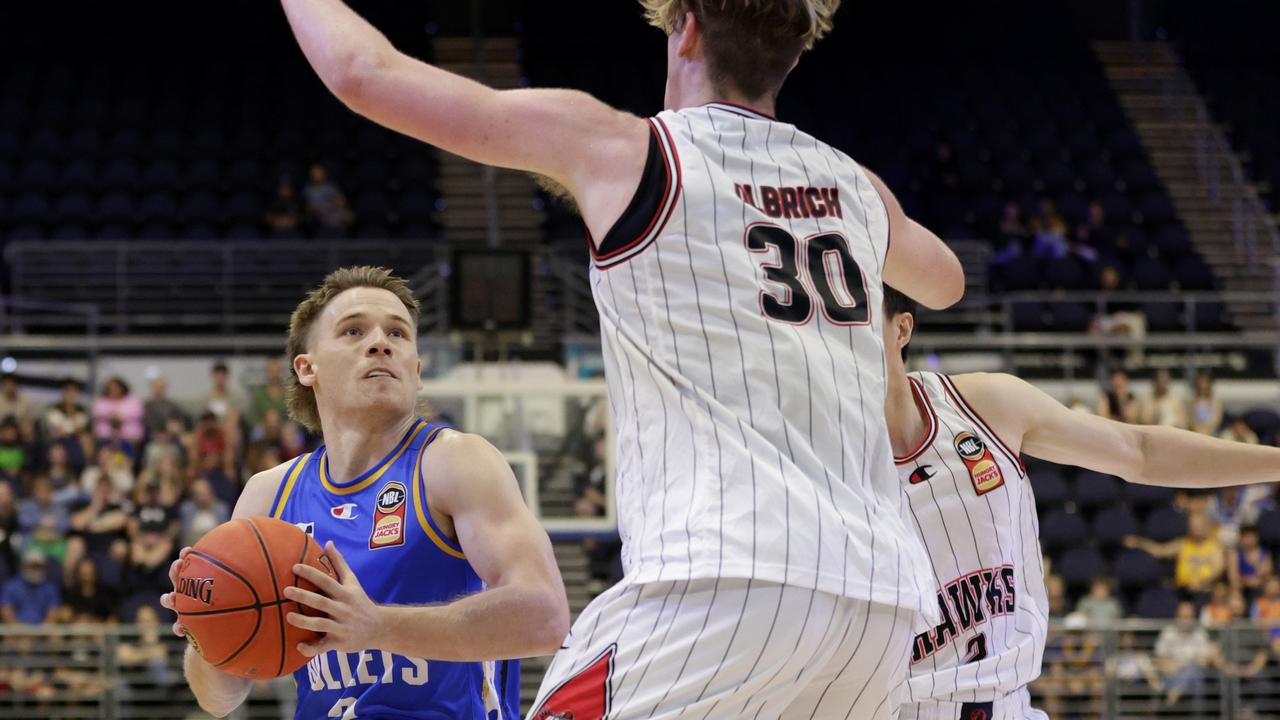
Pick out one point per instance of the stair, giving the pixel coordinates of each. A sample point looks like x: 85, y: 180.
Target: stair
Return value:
x: 1186, y: 152
x: 471, y: 191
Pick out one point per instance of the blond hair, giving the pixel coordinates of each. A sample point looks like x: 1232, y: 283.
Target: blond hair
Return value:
x: 750, y: 44
x: 301, y: 400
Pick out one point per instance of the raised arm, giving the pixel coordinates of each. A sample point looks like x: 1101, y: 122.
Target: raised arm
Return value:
x: 522, y: 612
x: 1042, y: 427
x: 919, y: 263
x: 566, y: 135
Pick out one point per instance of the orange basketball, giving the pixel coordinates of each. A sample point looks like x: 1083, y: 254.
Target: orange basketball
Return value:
x: 230, y: 596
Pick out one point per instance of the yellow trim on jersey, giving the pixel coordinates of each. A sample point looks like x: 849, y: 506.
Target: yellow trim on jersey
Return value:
x: 374, y: 475
x: 288, y: 485
x: 419, y: 502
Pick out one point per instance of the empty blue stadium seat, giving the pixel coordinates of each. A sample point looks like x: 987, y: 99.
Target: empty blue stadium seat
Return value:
x: 1078, y: 566
x: 1061, y: 528
x: 1151, y: 274
x: 1165, y: 524
x: 1049, y: 486
x: 1136, y: 569
x: 1157, y: 603
x: 1112, y: 524
x: 1096, y: 490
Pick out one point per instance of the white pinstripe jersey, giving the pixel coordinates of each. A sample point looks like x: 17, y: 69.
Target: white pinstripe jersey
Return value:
x: 741, y: 331
x: 972, y: 504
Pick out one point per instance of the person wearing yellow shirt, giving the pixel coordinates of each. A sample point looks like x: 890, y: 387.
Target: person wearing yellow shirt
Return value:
x: 1201, y: 559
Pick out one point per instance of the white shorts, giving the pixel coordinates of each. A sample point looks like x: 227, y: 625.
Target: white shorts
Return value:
x: 728, y: 648
x: 1014, y: 706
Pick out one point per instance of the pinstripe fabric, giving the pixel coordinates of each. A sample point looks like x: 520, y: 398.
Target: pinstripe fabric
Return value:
x: 973, y: 506
x: 751, y: 448
x: 735, y: 648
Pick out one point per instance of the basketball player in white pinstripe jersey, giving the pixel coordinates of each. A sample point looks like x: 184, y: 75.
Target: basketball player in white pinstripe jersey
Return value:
x: 956, y: 442
x: 771, y: 566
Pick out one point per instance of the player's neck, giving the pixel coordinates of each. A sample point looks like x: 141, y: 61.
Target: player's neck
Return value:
x: 353, y: 448
x: 907, y: 425
x: 703, y: 93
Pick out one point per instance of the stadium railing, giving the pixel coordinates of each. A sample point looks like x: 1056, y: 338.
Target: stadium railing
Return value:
x: 127, y: 671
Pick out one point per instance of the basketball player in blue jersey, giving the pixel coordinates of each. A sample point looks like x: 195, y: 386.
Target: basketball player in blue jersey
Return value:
x: 956, y: 442
x: 444, y: 576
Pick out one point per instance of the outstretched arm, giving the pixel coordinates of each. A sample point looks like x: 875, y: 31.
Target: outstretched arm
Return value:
x: 566, y: 135
x: 522, y: 612
x: 1143, y: 454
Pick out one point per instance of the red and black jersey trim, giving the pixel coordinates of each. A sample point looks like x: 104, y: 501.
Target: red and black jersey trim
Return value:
x: 739, y: 109
x: 931, y: 432
x: 650, y: 208
x: 967, y: 410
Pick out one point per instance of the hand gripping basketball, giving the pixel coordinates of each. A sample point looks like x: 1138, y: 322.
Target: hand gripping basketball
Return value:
x: 352, y: 620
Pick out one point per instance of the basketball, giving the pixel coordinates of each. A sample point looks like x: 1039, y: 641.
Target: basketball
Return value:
x: 230, y: 596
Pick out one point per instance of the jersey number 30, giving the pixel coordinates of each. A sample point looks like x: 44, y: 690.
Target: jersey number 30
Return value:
x: 821, y: 262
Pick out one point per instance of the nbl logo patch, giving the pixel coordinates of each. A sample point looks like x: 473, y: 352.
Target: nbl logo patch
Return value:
x: 388, y: 516
x: 982, y: 466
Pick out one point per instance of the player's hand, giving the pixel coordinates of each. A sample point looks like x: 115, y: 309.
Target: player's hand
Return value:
x: 352, y: 620
x: 166, y: 599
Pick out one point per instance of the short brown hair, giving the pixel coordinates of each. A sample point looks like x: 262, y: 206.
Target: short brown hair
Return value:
x: 750, y: 44
x: 300, y: 398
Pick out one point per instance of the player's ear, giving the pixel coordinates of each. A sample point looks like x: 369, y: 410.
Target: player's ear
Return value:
x: 904, y: 326
x: 690, y: 37
x: 305, y: 371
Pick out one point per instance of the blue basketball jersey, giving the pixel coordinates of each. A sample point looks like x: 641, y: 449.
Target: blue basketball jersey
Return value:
x: 381, y: 525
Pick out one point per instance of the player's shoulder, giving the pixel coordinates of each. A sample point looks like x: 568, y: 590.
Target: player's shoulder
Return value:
x: 451, y: 450
x: 261, y: 490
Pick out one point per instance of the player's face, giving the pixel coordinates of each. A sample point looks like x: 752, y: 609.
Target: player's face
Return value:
x: 363, y: 354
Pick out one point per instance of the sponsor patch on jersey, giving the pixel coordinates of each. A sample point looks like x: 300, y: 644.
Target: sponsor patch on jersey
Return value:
x: 345, y: 511
x: 388, y: 516
x: 982, y: 466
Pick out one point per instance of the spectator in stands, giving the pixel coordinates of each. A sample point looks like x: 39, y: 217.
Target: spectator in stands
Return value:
x: 150, y: 554
x: 1237, y: 430
x: 150, y: 514
x: 116, y: 403
x: 165, y: 446
x: 1206, y: 408
x: 223, y: 400
x: 201, y: 512
x: 86, y: 600
x: 111, y: 465
x: 1245, y: 656
x: 1235, y: 507
x: 126, y: 452
x: 98, y: 529
x: 14, y: 457
x: 42, y: 522
x: 1250, y: 565
x: 62, y: 477
x: 159, y: 410
x: 1013, y: 234
x: 168, y: 476
x: 327, y: 207
x: 1133, y: 666
x: 1200, y: 557
x: 1182, y: 651
x: 1218, y: 610
x: 149, y: 652
x: 270, y: 394
x: 213, y: 472
x: 1165, y: 407
x: 266, y: 438
x: 284, y: 215
x: 1266, y: 609
x: 8, y: 530
x: 30, y: 598
x: 1116, y: 317
x: 1056, y: 590
x: 67, y: 417
x: 1048, y: 233
x: 1100, y: 607
x: 1094, y: 232
x: 1118, y: 402
x: 13, y: 403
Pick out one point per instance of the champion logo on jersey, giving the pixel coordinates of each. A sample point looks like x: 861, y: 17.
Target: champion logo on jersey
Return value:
x: 388, y: 516
x: 345, y: 511
x: 306, y: 527
x: 922, y: 473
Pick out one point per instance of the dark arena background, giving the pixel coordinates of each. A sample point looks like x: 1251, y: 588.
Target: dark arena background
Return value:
x: 174, y: 177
